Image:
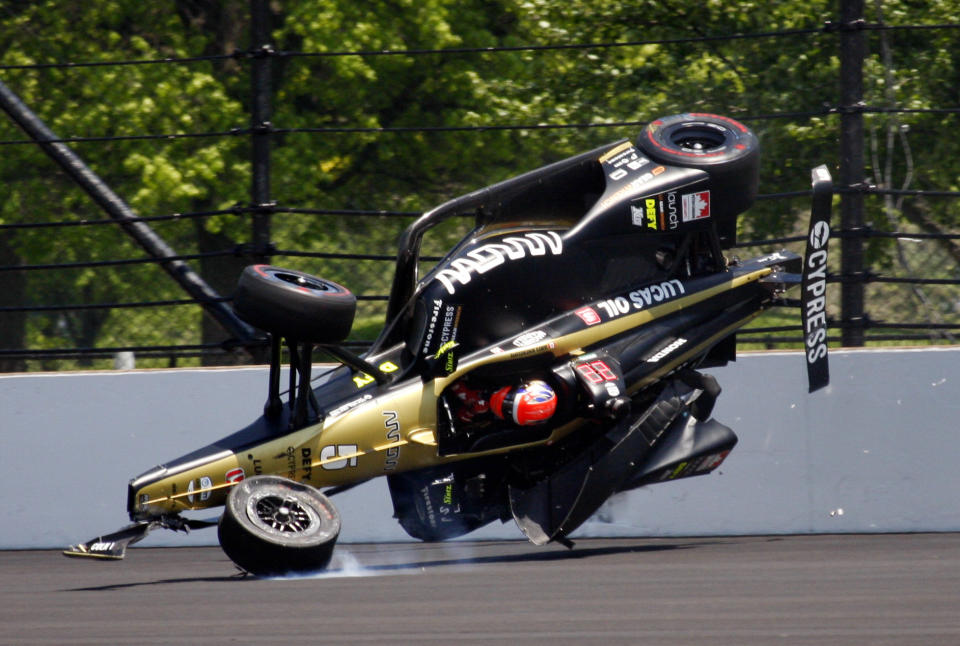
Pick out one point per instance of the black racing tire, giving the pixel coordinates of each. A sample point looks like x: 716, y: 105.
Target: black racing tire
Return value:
x: 272, y: 526
x: 725, y: 148
x: 294, y: 305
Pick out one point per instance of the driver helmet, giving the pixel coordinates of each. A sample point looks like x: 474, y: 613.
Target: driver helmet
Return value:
x: 532, y: 402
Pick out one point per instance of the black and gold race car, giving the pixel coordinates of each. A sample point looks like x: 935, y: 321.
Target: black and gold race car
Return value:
x: 550, y: 360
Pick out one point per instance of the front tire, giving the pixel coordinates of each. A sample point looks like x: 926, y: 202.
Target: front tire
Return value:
x: 274, y: 526
x: 294, y: 304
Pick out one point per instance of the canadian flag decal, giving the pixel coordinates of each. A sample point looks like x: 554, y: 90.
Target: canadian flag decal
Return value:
x: 696, y: 206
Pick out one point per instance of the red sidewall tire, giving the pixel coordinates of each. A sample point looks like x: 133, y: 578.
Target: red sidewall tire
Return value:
x: 294, y: 304
x: 727, y: 150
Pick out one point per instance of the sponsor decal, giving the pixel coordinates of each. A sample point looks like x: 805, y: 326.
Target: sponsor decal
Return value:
x: 671, y: 210
x: 816, y: 287
x: 442, y: 329
x: 446, y: 358
x: 451, y: 320
x: 391, y: 423
x: 679, y: 470
x: 425, y: 507
x: 696, y: 206
x: 588, y: 315
x: 234, y: 475
x: 290, y: 455
x: 656, y: 293
x: 631, y: 187
x: 659, y: 212
x: 712, y: 461
x: 651, y: 213
x: 102, y: 546
x: 773, y: 257
x: 362, y: 379
x: 338, y: 456
x: 306, y: 462
x: 432, y: 325
x: 537, y: 349
x: 638, y: 216
x: 641, y: 298
x: 667, y: 351
x: 529, y: 338
x: 491, y: 255
x: 350, y: 405
x: 203, y: 484
x: 624, y: 161
x: 615, y: 306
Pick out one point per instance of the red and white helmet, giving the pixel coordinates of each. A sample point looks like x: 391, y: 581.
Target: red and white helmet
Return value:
x: 533, y: 402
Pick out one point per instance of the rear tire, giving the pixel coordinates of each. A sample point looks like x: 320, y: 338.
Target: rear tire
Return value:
x: 274, y: 526
x: 723, y: 147
x: 294, y: 304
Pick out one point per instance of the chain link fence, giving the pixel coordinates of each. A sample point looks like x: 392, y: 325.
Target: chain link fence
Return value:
x: 114, y: 301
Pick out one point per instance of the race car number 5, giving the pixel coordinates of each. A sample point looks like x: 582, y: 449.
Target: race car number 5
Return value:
x: 347, y: 454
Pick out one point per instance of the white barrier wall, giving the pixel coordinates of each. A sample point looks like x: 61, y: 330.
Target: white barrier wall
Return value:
x: 878, y: 451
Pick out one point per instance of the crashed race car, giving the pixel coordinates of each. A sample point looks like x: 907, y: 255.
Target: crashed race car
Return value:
x: 549, y: 361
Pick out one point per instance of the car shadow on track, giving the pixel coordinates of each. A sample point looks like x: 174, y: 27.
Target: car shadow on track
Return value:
x: 463, y: 554
x: 527, y: 557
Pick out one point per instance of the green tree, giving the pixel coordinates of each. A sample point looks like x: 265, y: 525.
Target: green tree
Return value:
x: 394, y: 137
x: 155, y: 177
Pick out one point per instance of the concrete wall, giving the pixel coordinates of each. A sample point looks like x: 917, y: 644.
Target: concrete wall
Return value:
x: 878, y: 451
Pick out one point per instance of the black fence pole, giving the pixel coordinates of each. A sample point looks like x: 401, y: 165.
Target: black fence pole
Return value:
x: 852, y: 52
x: 260, y: 115
x: 119, y: 210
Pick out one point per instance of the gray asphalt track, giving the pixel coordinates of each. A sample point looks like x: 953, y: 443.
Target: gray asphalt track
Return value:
x: 824, y: 590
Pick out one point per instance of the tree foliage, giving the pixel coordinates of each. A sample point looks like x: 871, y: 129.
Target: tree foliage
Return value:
x: 373, y: 152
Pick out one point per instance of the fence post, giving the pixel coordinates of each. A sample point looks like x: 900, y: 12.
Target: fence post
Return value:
x: 119, y: 210
x: 260, y: 115
x: 852, y: 52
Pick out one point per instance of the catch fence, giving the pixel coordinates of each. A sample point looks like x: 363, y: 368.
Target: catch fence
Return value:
x: 901, y: 291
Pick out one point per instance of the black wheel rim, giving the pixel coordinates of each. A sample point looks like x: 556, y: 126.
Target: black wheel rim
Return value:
x: 282, y: 515
x: 698, y: 139
x: 301, y: 281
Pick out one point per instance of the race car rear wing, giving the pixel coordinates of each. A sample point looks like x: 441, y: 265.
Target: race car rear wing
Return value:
x: 814, y: 283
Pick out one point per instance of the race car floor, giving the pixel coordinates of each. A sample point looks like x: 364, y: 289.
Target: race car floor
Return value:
x: 838, y: 589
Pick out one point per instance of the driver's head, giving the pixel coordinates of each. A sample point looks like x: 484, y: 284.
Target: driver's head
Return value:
x: 532, y: 402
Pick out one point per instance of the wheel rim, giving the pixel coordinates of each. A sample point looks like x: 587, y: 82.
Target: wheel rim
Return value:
x: 698, y: 139
x: 282, y: 515
x: 301, y: 281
